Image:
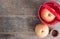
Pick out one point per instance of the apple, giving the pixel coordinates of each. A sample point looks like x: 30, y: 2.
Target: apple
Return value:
x: 47, y: 15
x: 42, y: 30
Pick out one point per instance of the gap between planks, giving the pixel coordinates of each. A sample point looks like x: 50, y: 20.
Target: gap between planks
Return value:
x: 17, y: 16
x: 14, y: 32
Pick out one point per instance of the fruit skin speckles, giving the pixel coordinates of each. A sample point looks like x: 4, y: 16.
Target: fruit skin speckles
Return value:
x: 47, y: 15
x: 41, y: 30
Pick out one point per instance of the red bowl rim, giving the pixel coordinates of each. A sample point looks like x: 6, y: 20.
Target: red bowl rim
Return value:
x: 55, y: 21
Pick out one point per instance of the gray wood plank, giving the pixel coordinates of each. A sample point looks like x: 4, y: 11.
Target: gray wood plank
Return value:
x: 18, y: 19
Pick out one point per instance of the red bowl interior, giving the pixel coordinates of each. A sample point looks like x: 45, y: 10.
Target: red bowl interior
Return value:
x: 54, y: 6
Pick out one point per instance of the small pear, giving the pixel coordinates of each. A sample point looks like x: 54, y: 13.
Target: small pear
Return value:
x: 41, y: 30
x: 47, y: 15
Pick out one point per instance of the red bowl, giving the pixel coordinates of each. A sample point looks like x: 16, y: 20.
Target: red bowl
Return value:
x: 52, y: 5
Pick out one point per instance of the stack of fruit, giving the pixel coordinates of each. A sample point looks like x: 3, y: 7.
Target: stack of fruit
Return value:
x: 48, y: 13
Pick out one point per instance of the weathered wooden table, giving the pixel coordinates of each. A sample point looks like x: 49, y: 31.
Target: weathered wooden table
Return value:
x: 18, y: 19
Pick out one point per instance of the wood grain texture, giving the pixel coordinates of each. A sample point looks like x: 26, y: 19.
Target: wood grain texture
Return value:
x: 18, y: 19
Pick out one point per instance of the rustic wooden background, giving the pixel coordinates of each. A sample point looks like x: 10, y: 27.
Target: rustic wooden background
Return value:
x: 18, y: 19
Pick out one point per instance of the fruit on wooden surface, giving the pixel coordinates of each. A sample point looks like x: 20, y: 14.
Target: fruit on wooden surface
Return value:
x: 41, y: 30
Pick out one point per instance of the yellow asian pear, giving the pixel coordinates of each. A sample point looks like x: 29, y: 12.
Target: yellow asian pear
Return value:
x: 42, y: 30
x: 47, y: 15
